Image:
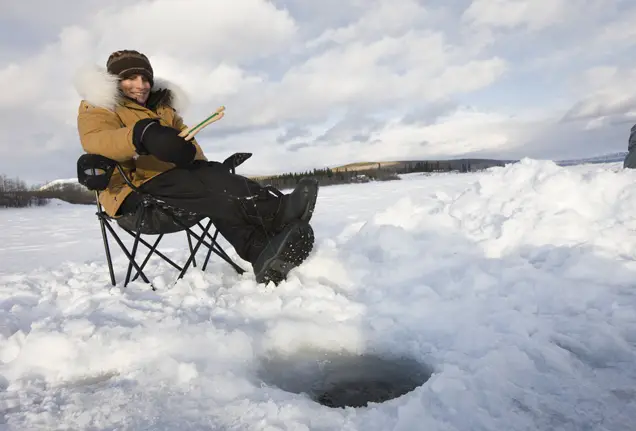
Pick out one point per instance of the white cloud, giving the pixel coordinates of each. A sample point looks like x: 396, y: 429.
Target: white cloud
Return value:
x: 463, y: 131
x: 188, y: 29
x: 416, y: 66
x: 380, y: 19
x: 606, y: 95
x: 207, y: 83
x: 535, y: 14
x: 622, y: 31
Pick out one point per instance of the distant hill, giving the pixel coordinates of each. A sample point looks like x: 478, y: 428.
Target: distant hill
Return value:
x: 68, y: 190
x: 473, y: 164
x: 607, y: 158
x: 428, y: 165
x: 58, y: 183
x: 362, y: 166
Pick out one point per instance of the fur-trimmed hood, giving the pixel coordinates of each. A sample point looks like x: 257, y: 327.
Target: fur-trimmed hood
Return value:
x: 100, y: 88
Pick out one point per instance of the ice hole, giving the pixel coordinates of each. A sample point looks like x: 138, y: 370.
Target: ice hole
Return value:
x: 344, y: 379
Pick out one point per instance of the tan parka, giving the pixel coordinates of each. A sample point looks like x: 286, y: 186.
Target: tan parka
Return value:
x: 105, y: 124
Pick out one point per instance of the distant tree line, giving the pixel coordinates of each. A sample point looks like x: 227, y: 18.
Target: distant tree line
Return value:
x: 14, y: 193
x: 73, y: 193
x: 328, y: 177
x: 434, y: 166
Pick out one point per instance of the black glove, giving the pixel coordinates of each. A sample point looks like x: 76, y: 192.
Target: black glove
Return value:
x: 150, y: 137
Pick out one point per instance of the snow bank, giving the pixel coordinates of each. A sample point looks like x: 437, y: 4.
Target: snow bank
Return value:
x: 535, y: 204
x: 514, y: 285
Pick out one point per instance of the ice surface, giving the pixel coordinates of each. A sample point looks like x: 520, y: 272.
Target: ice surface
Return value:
x: 515, y: 285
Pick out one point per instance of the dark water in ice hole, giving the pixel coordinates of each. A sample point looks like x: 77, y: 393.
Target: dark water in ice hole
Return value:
x: 344, y: 379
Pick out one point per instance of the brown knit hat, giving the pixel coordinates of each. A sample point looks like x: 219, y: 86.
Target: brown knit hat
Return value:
x: 126, y: 63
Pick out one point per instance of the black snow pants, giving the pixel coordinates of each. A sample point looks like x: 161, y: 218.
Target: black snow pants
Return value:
x: 242, y: 210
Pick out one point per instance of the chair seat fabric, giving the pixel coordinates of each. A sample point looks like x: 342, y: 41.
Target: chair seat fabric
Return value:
x: 157, y: 222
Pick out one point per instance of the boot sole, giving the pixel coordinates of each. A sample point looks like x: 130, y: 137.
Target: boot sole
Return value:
x: 294, y: 250
x: 309, y: 211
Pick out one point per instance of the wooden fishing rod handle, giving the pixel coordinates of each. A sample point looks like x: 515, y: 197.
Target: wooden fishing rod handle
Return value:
x: 190, y: 132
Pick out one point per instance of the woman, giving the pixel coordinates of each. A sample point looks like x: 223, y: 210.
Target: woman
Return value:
x: 129, y: 116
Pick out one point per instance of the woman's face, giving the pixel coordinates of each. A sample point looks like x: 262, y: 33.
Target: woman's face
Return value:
x: 136, y: 87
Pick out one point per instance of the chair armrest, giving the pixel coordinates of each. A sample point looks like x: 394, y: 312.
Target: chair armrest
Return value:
x: 236, y: 159
x: 94, y: 172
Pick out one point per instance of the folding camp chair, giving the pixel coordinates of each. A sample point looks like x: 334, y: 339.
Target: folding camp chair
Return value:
x: 153, y: 217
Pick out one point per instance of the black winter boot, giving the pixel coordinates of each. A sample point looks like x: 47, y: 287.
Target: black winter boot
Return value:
x: 298, y: 205
x: 274, y: 210
x: 284, y: 252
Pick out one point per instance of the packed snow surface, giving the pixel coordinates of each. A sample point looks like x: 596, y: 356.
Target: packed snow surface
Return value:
x: 516, y: 286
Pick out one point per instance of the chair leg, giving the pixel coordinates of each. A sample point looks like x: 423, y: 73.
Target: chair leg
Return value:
x: 157, y: 252
x: 207, y: 257
x: 140, y: 215
x: 125, y: 250
x: 196, y: 248
x: 152, y: 250
x: 107, y: 249
x: 102, y: 221
x: 223, y: 255
x: 194, y: 261
x: 219, y: 252
x: 216, y: 248
x: 213, y: 247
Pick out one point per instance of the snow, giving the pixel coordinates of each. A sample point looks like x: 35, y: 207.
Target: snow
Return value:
x: 60, y: 182
x: 515, y: 285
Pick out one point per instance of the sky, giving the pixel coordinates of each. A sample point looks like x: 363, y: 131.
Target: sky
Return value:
x: 315, y: 84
